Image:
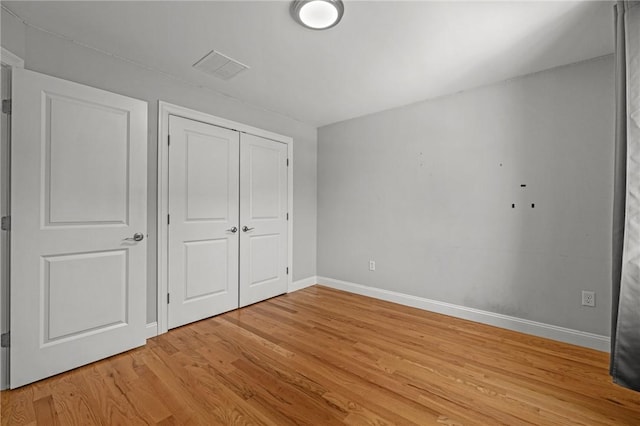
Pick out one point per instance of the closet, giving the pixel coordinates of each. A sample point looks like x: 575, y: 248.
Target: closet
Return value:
x: 227, y: 221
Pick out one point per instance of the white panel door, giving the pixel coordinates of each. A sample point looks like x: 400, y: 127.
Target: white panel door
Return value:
x: 203, y: 220
x: 78, y: 196
x: 263, y: 219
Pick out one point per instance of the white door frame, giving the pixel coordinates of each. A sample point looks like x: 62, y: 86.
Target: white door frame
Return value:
x: 166, y: 109
x: 7, y: 59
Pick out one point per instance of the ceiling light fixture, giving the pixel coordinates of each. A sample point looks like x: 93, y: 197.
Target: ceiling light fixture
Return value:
x: 317, y: 14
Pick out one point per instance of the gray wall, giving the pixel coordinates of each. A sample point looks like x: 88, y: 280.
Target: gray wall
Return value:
x: 426, y: 191
x: 61, y: 58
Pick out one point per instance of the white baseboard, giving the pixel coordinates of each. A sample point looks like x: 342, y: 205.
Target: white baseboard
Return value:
x: 303, y: 283
x: 562, y: 334
x: 152, y: 330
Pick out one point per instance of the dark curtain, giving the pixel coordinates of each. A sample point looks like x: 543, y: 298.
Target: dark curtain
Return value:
x: 625, y: 334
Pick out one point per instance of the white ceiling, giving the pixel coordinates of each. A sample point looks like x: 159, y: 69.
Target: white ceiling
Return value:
x: 382, y: 55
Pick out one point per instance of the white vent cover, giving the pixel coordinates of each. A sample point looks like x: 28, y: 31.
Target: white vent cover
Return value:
x: 222, y: 66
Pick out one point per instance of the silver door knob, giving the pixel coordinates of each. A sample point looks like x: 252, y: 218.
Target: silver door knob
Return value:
x: 138, y: 236
x: 232, y: 230
x: 246, y: 229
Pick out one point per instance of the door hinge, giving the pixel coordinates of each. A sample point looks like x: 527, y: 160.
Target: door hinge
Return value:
x: 287, y: 270
x: 168, y: 139
x: 287, y: 162
x: 5, y: 340
x: 6, y: 106
x: 168, y: 219
x: 287, y: 216
x: 168, y: 299
x: 6, y: 223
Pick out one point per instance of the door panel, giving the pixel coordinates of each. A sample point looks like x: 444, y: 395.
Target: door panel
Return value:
x: 93, y: 190
x: 98, y: 303
x: 264, y: 181
x: 204, y: 277
x: 263, y: 211
x: 203, y: 208
x: 208, y: 180
x: 78, y: 192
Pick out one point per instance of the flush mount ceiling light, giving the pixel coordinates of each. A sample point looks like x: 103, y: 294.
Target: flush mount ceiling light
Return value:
x: 317, y: 14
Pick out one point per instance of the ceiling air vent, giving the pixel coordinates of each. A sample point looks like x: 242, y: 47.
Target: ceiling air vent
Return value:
x: 222, y: 66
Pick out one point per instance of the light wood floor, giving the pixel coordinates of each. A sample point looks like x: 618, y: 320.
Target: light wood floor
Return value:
x: 322, y: 357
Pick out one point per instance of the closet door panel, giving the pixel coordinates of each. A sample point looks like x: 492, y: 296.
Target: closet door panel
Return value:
x: 203, y: 220
x: 263, y: 219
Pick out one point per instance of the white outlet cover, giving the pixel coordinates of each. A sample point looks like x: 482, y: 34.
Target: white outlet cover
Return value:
x: 589, y: 298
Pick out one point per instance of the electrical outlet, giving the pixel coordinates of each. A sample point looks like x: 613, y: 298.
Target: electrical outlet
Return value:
x: 372, y: 265
x: 588, y: 298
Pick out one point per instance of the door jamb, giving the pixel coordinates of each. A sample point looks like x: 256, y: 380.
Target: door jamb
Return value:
x: 165, y: 110
x: 8, y: 60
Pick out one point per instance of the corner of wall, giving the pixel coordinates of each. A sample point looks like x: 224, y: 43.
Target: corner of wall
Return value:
x: 535, y: 328
x: 13, y: 36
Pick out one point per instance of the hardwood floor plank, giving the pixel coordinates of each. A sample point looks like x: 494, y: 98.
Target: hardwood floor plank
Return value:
x: 320, y: 356
x: 278, y: 380
x: 72, y: 402
x: 365, y: 380
x: 17, y: 407
x: 525, y: 361
x: 108, y: 401
x: 204, y: 392
x: 45, y: 411
x: 169, y: 381
x: 338, y: 380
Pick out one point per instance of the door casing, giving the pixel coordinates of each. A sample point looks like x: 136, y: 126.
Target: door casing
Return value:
x: 9, y: 61
x: 165, y: 110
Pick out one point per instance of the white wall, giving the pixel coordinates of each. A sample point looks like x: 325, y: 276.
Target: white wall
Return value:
x: 426, y: 191
x: 51, y: 55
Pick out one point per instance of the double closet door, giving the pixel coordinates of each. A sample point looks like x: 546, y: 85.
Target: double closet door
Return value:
x: 227, y: 239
